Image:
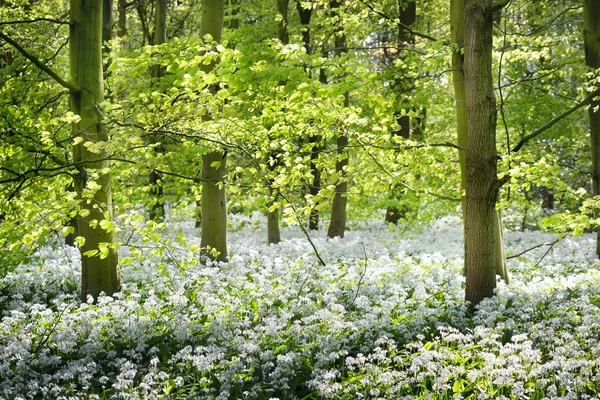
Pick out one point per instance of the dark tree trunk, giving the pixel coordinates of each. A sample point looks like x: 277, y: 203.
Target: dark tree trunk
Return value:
x: 591, y: 36
x: 403, y: 86
x: 337, y: 224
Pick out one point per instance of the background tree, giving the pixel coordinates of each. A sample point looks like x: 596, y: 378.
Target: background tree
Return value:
x: 157, y: 209
x: 214, y: 202
x: 337, y: 223
x: 591, y: 36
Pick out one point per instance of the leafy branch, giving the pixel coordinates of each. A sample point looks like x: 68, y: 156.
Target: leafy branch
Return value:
x: 38, y: 63
x: 586, y: 101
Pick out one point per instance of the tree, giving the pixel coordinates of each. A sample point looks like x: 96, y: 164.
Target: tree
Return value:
x: 457, y: 31
x: 337, y: 223
x: 214, y: 202
x: 273, y: 232
x: 482, y: 184
x: 100, y: 268
x: 591, y: 36
x: 402, y: 85
x: 157, y: 207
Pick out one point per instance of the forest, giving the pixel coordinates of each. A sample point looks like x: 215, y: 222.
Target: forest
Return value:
x: 299, y: 199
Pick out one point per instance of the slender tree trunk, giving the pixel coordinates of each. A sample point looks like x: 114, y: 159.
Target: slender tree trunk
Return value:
x: 337, y: 224
x: 458, y: 78
x: 99, y: 274
x: 214, y: 206
x: 273, y: 231
x: 481, y: 157
x: 156, y: 210
x: 547, y: 200
x: 233, y: 21
x: 107, y: 24
x: 403, y: 86
x: 314, y: 140
x: 122, y: 22
x: 214, y: 202
x: 591, y: 36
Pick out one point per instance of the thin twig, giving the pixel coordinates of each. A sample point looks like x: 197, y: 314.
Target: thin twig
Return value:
x: 551, y: 244
x: 362, y: 275
x: 303, y: 228
x: 546, y: 253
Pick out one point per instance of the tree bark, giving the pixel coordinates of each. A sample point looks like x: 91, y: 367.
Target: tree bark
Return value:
x: 591, y: 37
x: 337, y: 224
x: 99, y: 274
x: 457, y: 32
x: 107, y: 23
x: 314, y: 140
x: 481, y: 157
x: 273, y: 231
x: 122, y: 22
x: 403, y: 87
x: 156, y: 211
x: 233, y: 22
x: 214, y: 202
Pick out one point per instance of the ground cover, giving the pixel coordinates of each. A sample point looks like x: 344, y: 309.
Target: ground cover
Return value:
x: 383, y: 319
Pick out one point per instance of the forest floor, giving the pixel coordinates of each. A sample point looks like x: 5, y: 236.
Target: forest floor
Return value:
x: 384, y: 318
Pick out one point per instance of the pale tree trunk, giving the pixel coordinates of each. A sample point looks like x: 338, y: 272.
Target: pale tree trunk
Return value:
x: 273, y: 232
x: 99, y: 274
x: 337, y: 224
x: 403, y: 87
x: 591, y: 36
x: 481, y: 157
x: 458, y: 79
x: 156, y: 210
x: 214, y: 202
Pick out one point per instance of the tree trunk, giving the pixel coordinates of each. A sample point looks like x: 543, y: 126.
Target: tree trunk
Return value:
x: 314, y: 140
x: 107, y: 23
x: 403, y: 86
x: 458, y: 78
x: 122, y: 22
x: 156, y: 211
x: 591, y: 36
x: 547, y: 200
x: 273, y: 232
x: 100, y: 273
x: 214, y: 206
x: 233, y: 21
x: 214, y: 202
x: 337, y: 224
x: 481, y: 157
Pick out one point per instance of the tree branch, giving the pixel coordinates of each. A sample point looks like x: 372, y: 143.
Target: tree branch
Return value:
x: 38, y: 63
x: 535, y: 247
x: 588, y: 99
x: 397, y: 22
x: 29, y: 21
